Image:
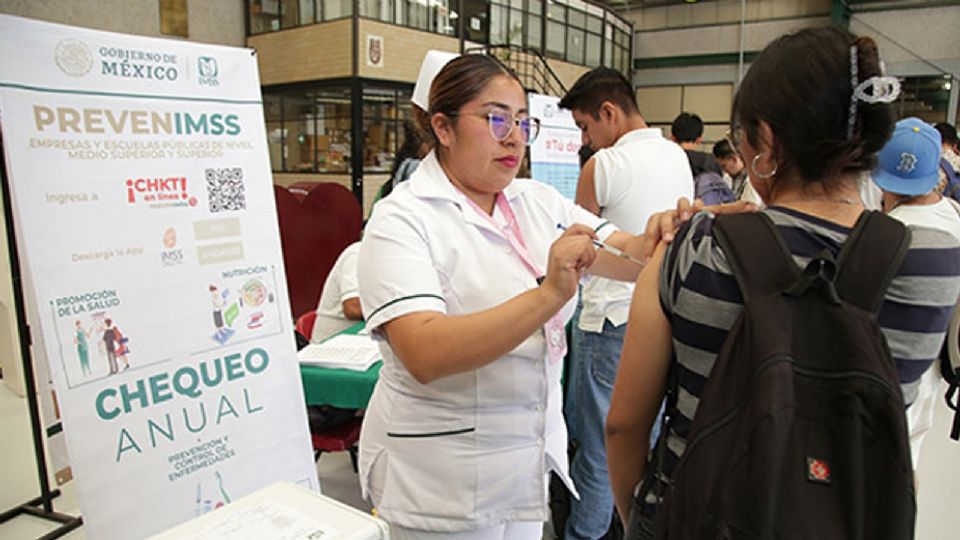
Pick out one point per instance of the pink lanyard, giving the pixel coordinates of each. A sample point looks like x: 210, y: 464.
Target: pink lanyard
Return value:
x: 511, y: 231
x: 553, y: 330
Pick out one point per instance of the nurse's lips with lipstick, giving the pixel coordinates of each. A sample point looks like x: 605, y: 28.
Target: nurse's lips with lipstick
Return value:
x: 508, y: 161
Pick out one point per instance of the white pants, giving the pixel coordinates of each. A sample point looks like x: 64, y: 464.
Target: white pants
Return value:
x: 520, y: 530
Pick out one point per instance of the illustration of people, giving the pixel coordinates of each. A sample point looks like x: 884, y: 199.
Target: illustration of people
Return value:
x: 83, y: 348
x: 122, y: 350
x: 223, y: 333
x: 110, y: 341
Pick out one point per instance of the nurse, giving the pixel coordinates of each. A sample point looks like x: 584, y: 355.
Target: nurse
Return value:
x: 468, y: 281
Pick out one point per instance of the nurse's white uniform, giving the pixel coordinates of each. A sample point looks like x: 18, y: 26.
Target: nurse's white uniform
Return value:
x: 469, y: 451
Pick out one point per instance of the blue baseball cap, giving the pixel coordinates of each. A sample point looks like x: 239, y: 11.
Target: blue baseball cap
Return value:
x: 909, y: 164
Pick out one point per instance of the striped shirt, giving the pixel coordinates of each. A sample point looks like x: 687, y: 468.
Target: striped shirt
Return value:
x: 702, y: 300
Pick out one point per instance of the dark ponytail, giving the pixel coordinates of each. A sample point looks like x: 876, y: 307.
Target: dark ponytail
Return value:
x: 802, y: 86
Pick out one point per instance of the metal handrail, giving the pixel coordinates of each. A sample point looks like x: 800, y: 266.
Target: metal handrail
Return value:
x: 530, y: 65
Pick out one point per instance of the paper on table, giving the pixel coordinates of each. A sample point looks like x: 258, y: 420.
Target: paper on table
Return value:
x: 343, y: 352
x: 265, y: 519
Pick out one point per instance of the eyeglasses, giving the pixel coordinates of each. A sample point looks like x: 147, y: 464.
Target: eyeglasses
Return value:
x: 502, y: 124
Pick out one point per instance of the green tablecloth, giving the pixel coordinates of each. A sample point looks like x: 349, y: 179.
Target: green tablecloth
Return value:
x: 339, y: 387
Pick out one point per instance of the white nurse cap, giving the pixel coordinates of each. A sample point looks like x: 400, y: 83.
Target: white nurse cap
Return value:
x: 433, y: 62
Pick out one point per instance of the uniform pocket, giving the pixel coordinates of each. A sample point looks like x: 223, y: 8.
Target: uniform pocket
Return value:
x: 431, y: 470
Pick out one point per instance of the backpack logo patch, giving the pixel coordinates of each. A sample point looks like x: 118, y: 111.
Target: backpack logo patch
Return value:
x: 818, y: 471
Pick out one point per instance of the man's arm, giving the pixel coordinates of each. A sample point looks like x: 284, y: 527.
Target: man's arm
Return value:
x: 587, y: 188
x: 351, y: 308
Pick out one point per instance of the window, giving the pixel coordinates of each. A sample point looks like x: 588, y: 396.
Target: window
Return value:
x: 310, y: 130
x: 475, y: 22
x: 264, y: 16
x: 382, y: 119
x: 336, y: 9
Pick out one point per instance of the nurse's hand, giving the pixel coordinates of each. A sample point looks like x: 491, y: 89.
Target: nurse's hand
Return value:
x: 569, y: 255
x: 663, y: 225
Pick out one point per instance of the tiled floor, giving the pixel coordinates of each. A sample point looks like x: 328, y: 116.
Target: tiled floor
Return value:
x: 939, y: 477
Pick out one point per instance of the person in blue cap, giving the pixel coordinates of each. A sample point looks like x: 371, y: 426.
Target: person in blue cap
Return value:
x: 908, y: 174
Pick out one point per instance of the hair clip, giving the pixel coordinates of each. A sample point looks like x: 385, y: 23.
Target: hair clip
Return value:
x: 876, y: 89
x: 884, y: 89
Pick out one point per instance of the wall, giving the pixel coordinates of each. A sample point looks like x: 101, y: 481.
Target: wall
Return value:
x: 933, y: 34
x: 723, y: 11
x: 403, y: 50
x: 317, y: 51
x: 210, y: 21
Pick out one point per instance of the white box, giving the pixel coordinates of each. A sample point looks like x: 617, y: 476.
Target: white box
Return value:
x: 282, y: 511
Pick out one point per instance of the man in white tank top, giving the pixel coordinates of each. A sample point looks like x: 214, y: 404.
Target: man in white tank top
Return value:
x: 634, y: 173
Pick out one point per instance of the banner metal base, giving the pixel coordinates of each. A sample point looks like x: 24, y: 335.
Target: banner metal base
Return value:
x: 35, y: 508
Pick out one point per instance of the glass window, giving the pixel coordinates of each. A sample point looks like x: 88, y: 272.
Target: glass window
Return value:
x: 264, y: 16
x: 555, y: 12
x: 575, y: 45
x: 594, y: 24
x: 333, y: 130
x: 443, y: 20
x: 576, y: 19
x: 274, y: 119
x: 376, y: 9
x: 515, y: 34
x: 475, y: 20
x: 417, y: 14
x: 498, y: 25
x: 534, y: 33
x: 337, y: 9
x: 535, y: 7
x: 592, y: 58
x: 299, y: 122
x: 556, y: 38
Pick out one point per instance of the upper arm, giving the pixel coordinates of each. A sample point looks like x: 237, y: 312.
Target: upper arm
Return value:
x: 396, y: 271
x: 586, y: 187
x: 641, y: 377
x: 351, y: 308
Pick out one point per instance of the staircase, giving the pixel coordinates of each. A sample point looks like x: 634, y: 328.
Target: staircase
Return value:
x: 530, y: 66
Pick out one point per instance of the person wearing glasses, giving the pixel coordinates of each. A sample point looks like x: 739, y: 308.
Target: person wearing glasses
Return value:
x: 687, y: 300
x: 467, y: 279
x: 634, y: 173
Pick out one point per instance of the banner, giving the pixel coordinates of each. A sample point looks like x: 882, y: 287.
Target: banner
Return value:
x: 554, y: 155
x: 144, y: 203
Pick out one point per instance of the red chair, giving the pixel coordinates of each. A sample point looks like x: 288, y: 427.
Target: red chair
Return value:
x: 305, y: 324
x: 342, y: 437
x: 338, y: 439
x: 313, y: 232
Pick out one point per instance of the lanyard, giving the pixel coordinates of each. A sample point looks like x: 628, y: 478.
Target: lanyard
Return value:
x: 511, y: 232
x: 553, y: 330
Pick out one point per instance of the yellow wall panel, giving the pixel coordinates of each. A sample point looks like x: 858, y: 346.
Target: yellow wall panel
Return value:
x: 318, y: 51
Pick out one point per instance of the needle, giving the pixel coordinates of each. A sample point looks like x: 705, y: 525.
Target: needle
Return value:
x: 608, y: 248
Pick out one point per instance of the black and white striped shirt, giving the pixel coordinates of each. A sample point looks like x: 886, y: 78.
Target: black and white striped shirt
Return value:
x: 702, y: 300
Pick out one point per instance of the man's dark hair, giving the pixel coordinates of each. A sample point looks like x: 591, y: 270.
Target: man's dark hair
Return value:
x: 723, y: 149
x: 599, y: 85
x: 687, y: 127
x: 948, y: 133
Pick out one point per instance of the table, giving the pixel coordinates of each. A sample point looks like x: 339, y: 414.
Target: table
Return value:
x: 342, y: 388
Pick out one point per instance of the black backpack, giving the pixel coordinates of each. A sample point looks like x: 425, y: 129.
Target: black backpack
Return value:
x: 800, y: 432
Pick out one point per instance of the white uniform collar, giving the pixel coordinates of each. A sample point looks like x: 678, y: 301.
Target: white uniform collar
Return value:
x: 429, y: 181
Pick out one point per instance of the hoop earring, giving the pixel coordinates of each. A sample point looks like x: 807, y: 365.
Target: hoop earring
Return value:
x: 753, y: 167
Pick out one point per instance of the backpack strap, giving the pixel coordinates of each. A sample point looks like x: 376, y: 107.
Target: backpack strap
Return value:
x: 750, y: 241
x: 870, y: 258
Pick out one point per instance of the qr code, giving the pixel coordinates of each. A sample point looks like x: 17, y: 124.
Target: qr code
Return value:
x: 225, y: 189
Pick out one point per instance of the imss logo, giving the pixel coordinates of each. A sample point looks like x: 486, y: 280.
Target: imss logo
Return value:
x: 207, y: 71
